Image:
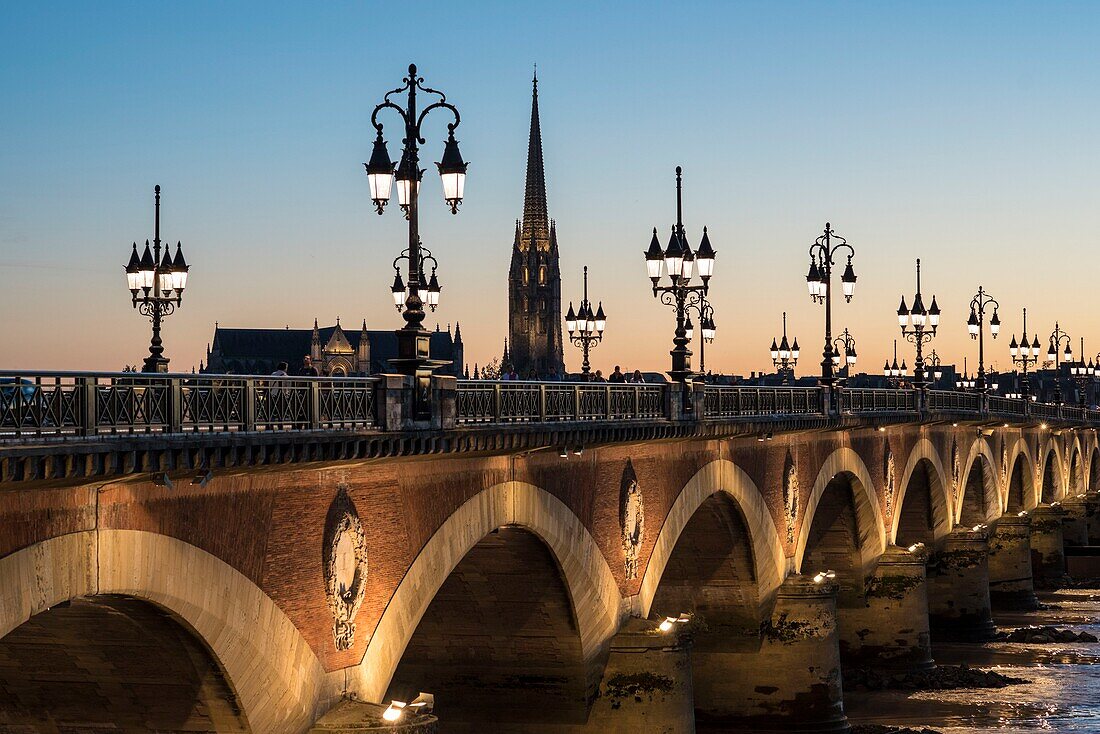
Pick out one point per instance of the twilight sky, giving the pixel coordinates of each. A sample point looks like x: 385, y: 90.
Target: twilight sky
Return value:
x: 964, y: 134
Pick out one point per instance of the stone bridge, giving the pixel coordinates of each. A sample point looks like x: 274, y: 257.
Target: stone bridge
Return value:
x: 248, y: 554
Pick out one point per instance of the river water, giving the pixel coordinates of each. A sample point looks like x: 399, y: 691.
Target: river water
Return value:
x: 1063, y: 694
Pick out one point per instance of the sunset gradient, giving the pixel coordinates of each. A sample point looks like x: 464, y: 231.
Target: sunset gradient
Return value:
x: 963, y: 134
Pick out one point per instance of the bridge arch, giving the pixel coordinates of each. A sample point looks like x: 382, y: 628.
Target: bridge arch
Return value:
x: 981, y: 498
x: 720, y: 476
x: 1020, y: 490
x: 924, y: 458
x: 259, y: 648
x: 1052, y: 487
x: 845, y: 462
x: 594, y: 596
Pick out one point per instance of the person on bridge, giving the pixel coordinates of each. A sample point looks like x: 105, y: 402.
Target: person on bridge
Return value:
x: 599, y: 377
x: 308, y: 370
x: 617, y: 376
x: 637, y: 378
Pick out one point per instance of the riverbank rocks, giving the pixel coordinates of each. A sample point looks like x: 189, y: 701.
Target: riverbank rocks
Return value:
x: 941, y: 677
x: 1045, y: 634
x: 884, y: 729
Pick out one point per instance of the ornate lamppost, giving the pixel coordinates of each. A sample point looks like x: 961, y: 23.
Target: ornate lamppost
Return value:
x: 924, y: 323
x: 156, y: 286
x: 844, y: 345
x: 1082, y: 375
x: 413, y: 356
x: 1024, y: 354
x: 819, y: 281
x: 934, y: 363
x: 707, y: 328
x: 1056, y: 338
x: 679, y: 263
x: 966, y: 382
x: 975, y: 325
x: 784, y: 354
x: 892, y: 372
x: 585, y: 327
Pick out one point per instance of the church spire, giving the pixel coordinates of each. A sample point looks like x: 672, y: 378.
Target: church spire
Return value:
x: 536, y: 220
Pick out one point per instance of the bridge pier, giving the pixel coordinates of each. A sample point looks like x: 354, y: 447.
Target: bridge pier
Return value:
x: 1048, y: 556
x: 892, y: 630
x: 1010, y: 583
x: 1075, y: 522
x: 793, y: 684
x: 359, y: 717
x: 958, y: 588
x: 1092, y: 517
x: 647, y: 685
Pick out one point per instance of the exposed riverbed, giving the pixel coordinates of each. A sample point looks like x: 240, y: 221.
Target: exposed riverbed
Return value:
x: 1063, y: 694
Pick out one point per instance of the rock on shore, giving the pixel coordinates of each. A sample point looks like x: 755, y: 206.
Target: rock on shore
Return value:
x: 1045, y: 634
x: 940, y: 677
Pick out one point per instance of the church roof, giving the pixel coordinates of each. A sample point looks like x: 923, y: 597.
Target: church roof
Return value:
x: 258, y: 351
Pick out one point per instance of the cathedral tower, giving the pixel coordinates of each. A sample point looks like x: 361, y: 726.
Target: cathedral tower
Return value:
x: 534, y: 280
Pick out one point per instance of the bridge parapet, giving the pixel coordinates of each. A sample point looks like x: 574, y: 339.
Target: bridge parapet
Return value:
x: 65, y: 424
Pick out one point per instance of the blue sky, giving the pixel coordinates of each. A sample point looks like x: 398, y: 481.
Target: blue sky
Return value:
x: 960, y: 133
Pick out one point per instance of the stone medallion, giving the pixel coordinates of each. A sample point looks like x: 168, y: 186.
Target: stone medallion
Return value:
x: 631, y: 520
x: 790, y: 496
x: 345, y: 567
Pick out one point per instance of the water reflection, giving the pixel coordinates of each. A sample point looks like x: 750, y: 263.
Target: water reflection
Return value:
x: 1063, y: 695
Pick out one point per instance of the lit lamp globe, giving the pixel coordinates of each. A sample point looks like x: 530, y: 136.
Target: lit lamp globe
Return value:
x: 380, y: 174
x: 674, y: 257
x: 133, y: 273
x: 654, y: 259
x: 452, y: 171
x: 704, y: 258
x: 848, y: 281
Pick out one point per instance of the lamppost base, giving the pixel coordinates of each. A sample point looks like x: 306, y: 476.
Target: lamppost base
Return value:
x: 155, y: 365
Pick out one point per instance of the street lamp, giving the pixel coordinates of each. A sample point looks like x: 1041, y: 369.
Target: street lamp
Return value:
x: 892, y: 372
x: 819, y: 281
x: 585, y: 327
x: 680, y: 264
x: 966, y: 382
x: 937, y: 370
x: 925, y: 322
x: 846, y: 344
x: 707, y: 327
x: 975, y: 325
x: 156, y: 286
x: 1024, y: 354
x: 784, y: 354
x: 1056, y: 338
x: 413, y: 356
x: 1082, y: 375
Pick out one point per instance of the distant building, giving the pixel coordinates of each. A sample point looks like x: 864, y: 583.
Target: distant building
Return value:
x: 333, y: 350
x: 534, y: 279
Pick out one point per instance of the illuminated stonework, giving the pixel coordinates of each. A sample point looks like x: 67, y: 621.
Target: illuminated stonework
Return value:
x: 631, y: 520
x: 345, y: 567
x: 790, y: 497
x: 888, y: 473
x: 956, y: 469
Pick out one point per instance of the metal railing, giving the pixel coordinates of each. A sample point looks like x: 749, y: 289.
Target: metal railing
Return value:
x: 484, y: 401
x: 1007, y: 406
x: 79, y: 404
x: 84, y: 404
x: 873, y: 400
x: 1044, y: 410
x: 1073, y: 413
x: 735, y: 402
x: 953, y: 401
